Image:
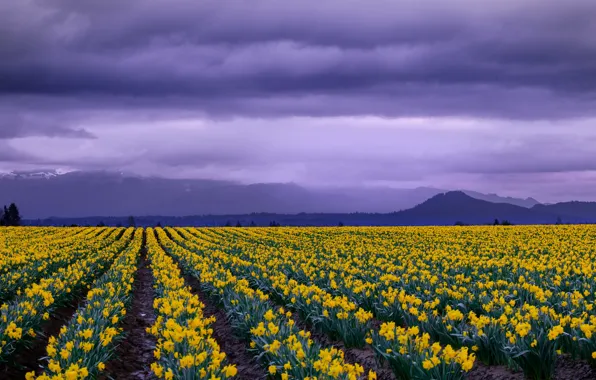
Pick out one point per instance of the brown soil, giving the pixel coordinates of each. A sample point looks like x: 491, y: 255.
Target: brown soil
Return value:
x: 566, y: 369
x: 235, y: 349
x: 367, y: 358
x: 484, y: 372
x: 570, y: 369
x: 27, y: 359
x: 134, y: 354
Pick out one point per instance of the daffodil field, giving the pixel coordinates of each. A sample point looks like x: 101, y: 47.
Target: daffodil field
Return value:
x: 409, y: 303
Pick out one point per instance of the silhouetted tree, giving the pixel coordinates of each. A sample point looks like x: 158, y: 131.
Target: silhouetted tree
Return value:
x: 158, y: 224
x: 228, y: 224
x: 11, y: 216
x: 131, y: 221
x: 273, y: 223
x: 559, y: 220
x: 252, y: 223
x: 340, y: 224
x: 15, y: 215
x: 496, y: 223
x: 459, y: 223
x: 101, y: 224
x: 506, y: 223
x: 238, y: 224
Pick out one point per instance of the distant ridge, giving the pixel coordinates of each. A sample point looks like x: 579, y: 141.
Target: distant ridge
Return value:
x: 101, y: 195
x: 52, y: 193
x: 574, y: 208
x: 441, y: 209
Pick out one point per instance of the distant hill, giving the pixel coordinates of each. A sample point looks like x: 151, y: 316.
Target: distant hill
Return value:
x: 49, y: 193
x: 569, y: 209
x: 457, y: 206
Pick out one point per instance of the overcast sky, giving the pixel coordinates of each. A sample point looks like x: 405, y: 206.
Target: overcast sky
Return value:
x: 488, y: 96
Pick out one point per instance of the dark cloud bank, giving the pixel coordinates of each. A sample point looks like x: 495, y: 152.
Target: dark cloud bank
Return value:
x: 497, y: 96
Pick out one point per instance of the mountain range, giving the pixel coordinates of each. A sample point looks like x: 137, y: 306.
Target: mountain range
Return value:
x: 456, y: 206
x: 100, y: 195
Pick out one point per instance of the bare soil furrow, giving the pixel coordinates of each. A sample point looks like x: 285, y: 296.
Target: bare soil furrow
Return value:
x: 134, y: 354
x: 235, y: 349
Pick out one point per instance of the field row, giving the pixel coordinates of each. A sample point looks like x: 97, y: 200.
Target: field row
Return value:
x: 517, y: 297
x: 428, y: 303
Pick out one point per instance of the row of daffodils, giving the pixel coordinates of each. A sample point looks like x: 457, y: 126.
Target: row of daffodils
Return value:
x: 518, y: 296
x: 335, y: 315
x: 86, y: 342
x: 185, y: 347
x: 28, y: 265
x: 21, y: 318
x: 430, y: 302
x: 286, y: 351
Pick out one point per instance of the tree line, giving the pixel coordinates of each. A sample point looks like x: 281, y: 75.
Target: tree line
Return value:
x: 10, y: 216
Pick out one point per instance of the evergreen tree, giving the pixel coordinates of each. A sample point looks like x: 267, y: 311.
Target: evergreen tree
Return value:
x: 131, y: 221
x: 11, y: 216
x: 15, y: 215
x: 238, y: 224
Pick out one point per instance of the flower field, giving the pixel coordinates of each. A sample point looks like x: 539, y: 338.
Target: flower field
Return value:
x: 300, y: 303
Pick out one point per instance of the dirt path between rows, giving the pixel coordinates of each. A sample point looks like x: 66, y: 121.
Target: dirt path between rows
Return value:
x: 566, y: 369
x: 235, y: 349
x: 134, y: 354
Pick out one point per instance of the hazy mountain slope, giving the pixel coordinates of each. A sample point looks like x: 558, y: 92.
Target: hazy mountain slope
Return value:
x: 84, y: 194
x: 81, y: 194
x: 494, y: 198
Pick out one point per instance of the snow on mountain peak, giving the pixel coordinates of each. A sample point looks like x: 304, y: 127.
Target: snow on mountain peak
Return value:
x: 33, y: 174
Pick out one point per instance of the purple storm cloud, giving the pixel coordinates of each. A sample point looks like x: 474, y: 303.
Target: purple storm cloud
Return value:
x: 497, y: 96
